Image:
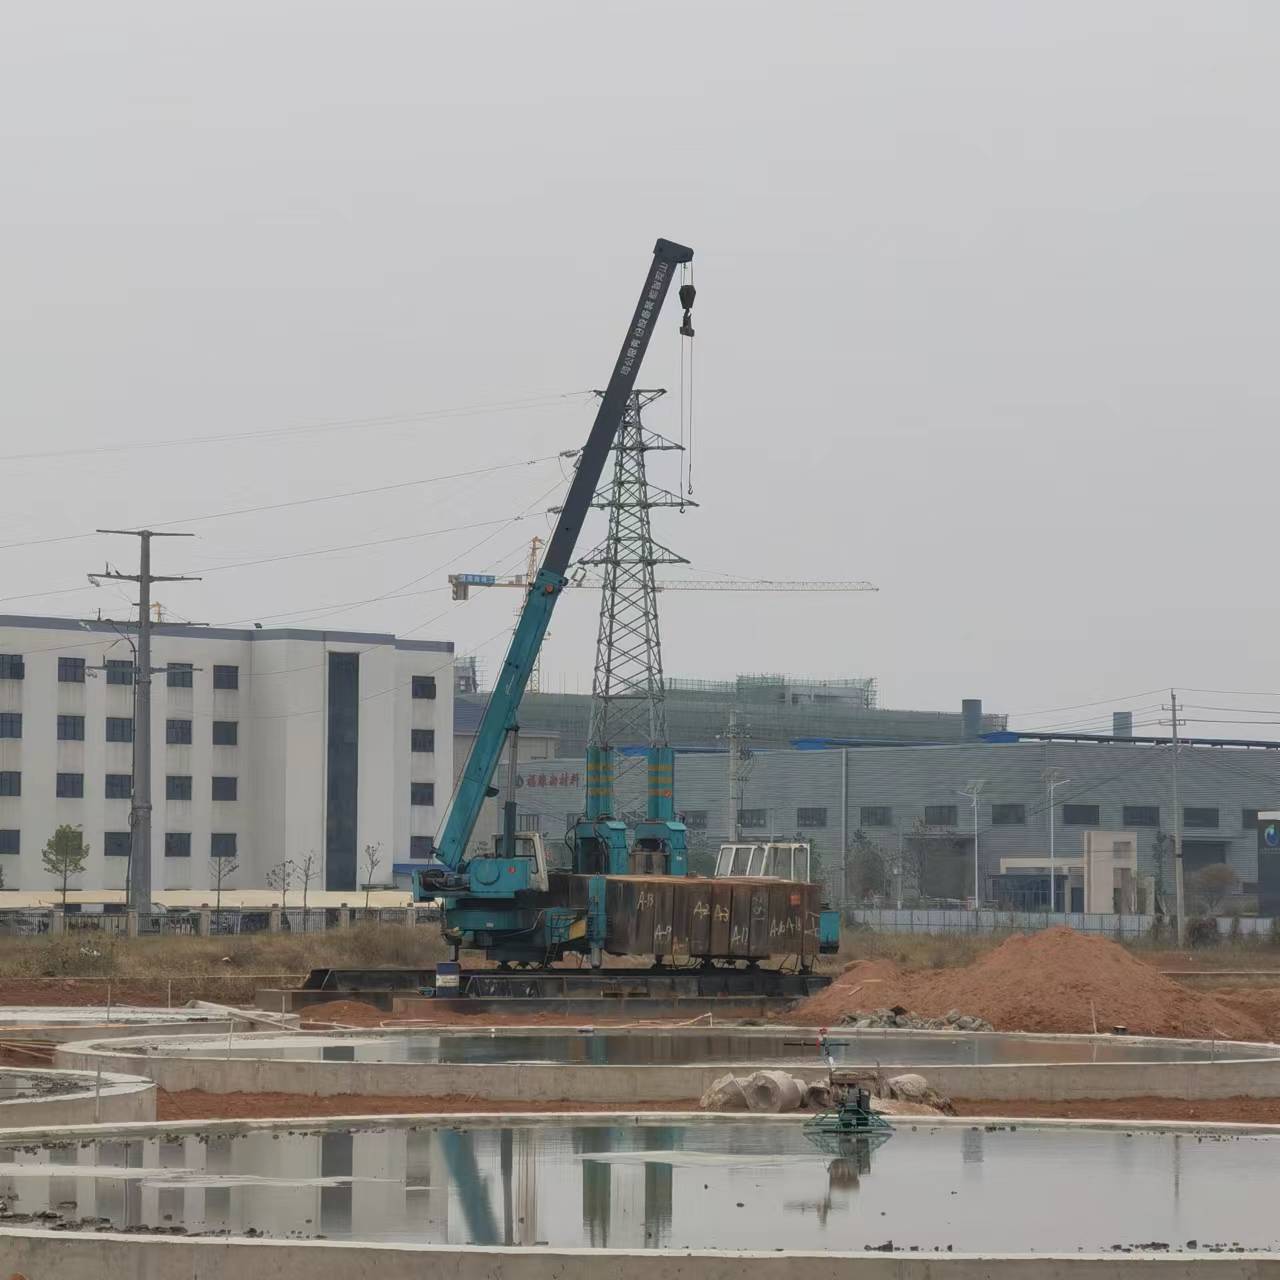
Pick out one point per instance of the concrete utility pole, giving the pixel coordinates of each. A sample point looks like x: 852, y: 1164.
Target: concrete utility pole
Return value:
x: 140, y: 802
x: 1053, y: 779
x: 1179, y: 904
x: 971, y: 793
x: 740, y: 763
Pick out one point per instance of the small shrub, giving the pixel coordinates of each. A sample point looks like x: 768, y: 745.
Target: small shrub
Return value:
x: 1202, y: 931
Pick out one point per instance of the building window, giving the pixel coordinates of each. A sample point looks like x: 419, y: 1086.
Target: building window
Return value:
x: 695, y: 819
x: 753, y: 819
x: 421, y: 847
x: 226, y: 677
x: 119, y: 786
x: 422, y: 793
x: 10, y: 782
x: 11, y: 667
x: 178, y: 676
x: 9, y: 841
x: 177, y: 844
x: 224, y: 788
x: 811, y: 818
x: 1248, y: 819
x: 71, y: 670
x: 1008, y: 815
x: 1081, y: 815
x: 177, y: 786
x: 226, y: 733
x: 119, y: 671
x: 424, y: 686
x: 116, y: 844
x: 222, y: 844
x: 71, y: 728
x: 1141, y: 815
x: 1199, y: 817
x: 11, y: 724
x: 528, y: 822
x: 941, y: 815
x: 422, y: 739
x: 70, y: 786
x: 119, y: 728
x: 875, y: 815
x: 177, y: 732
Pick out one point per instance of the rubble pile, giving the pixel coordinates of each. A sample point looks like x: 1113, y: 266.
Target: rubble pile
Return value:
x: 898, y: 1017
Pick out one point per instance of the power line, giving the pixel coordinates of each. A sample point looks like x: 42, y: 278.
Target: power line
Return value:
x: 281, y: 433
x: 299, y: 502
x: 1044, y: 711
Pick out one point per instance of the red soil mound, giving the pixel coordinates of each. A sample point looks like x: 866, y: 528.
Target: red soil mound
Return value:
x: 1055, y: 980
x: 344, y: 1013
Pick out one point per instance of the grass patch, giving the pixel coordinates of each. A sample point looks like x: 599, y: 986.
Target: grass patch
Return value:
x: 212, y: 966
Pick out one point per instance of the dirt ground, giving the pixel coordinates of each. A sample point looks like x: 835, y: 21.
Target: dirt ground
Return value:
x: 195, y: 1104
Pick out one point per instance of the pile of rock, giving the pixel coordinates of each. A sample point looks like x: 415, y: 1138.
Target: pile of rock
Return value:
x: 766, y: 1091
x: 898, y: 1017
x: 772, y: 1092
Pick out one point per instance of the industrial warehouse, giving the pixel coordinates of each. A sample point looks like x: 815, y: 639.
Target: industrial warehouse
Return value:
x: 916, y: 805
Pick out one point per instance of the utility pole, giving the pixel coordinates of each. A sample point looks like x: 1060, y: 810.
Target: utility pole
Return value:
x: 1053, y: 779
x: 140, y: 802
x: 740, y: 763
x: 1179, y: 904
x: 971, y: 793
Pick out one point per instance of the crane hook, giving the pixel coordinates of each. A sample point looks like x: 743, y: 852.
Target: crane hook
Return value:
x: 687, y: 295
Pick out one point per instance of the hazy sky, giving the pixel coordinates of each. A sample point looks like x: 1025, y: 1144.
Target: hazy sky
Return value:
x: 985, y: 315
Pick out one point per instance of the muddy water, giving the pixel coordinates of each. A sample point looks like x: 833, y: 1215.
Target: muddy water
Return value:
x: 796, y: 1048
x: 700, y: 1185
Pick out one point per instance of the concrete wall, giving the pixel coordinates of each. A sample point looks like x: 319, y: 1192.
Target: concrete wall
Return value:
x: 1236, y: 1075
x: 43, y: 1255
x: 123, y: 1100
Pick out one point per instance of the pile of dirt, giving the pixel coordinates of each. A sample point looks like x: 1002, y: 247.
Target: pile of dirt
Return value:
x: 343, y: 1013
x: 1055, y: 980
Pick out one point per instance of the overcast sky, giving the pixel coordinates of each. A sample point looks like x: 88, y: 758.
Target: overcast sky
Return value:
x: 986, y: 315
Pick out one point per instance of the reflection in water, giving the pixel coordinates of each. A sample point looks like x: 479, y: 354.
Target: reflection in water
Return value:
x: 749, y: 1185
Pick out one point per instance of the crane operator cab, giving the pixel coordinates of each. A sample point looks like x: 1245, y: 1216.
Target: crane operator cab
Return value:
x: 530, y: 858
x: 770, y: 860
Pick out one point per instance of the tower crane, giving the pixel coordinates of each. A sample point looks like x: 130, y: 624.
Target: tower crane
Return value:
x: 461, y: 583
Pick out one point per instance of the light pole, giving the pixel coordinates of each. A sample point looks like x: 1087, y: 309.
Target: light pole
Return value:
x: 1053, y: 779
x: 971, y: 793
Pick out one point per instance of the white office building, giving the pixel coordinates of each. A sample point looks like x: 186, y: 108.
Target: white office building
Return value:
x: 266, y: 745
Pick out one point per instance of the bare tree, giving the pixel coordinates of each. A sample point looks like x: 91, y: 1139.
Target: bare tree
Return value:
x: 372, y: 861
x: 1212, y: 885
x: 308, y: 870
x: 281, y: 877
x: 220, y: 871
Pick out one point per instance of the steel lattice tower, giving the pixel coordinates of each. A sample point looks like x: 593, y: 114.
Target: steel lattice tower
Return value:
x: 628, y: 699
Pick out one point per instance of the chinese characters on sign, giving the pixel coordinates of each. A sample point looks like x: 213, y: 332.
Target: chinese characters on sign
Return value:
x: 547, y: 779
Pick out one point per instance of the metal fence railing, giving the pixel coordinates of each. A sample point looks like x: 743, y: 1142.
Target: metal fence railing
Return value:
x: 23, y: 923
x: 1123, y: 928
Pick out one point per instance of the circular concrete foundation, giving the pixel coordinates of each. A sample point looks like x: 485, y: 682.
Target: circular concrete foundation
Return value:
x: 671, y: 1065
x: 37, y: 1096
x: 525, y: 1196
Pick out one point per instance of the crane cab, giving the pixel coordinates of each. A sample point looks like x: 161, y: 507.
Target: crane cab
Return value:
x: 767, y: 860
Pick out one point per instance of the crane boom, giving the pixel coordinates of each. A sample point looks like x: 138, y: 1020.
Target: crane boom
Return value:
x: 499, y: 716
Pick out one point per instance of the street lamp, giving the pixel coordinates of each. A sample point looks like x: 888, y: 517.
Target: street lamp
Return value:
x: 971, y: 793
x: 1053, y: 779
